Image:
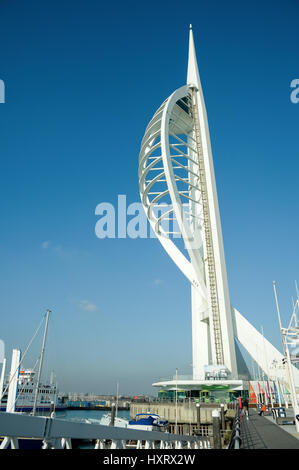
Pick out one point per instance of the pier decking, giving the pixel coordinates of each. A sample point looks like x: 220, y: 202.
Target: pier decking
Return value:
x: 262, y: 432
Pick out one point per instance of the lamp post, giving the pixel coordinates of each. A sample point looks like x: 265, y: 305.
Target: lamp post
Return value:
x: 190, y: 416
x: 198, y: 415
x: 176, y: 401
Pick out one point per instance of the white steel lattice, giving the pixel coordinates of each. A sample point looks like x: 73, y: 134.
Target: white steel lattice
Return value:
x: 168, y: 174
x: 173, y: 189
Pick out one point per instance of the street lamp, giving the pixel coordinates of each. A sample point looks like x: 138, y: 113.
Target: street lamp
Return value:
x: 176, y: 401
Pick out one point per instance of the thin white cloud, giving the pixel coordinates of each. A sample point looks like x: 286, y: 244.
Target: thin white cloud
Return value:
x: 62, y: 251
x: 88, y: 306
x: 158, y: 282
x: 58, y: 249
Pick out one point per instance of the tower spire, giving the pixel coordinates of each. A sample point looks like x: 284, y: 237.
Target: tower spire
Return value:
x: 192, y: 74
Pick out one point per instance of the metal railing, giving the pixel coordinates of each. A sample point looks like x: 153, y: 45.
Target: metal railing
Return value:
x: 174, y: 377
x: 180, y: 399
x: 235, y: 440
x: 58, y: 434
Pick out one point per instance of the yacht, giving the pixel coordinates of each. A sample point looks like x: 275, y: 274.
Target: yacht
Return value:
x: 148, y: 422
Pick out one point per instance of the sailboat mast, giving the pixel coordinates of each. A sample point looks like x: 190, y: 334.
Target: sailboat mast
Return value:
x: 41, y: 362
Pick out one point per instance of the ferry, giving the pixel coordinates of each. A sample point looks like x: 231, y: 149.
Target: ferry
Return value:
x: 21, y: 386
x: 47, y: 399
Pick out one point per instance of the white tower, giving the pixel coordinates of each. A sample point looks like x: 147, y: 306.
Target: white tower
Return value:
x: 218, y: 328
x: 178, y: 139
x: 178, y: 192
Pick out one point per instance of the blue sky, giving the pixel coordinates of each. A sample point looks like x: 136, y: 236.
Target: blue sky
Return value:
x: 82, y: 81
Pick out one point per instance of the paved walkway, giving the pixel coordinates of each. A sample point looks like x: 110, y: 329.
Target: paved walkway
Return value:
x: 262, y: 432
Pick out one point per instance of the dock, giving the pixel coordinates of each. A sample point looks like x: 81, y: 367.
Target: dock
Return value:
x: 262, y: 432
x: 256, y: 432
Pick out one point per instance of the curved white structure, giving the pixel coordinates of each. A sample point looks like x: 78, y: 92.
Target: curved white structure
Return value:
x: 176, y: 172
x: 178, y: 192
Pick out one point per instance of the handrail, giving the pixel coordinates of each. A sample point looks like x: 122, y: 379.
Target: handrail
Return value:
x: 235, y: 439
x: 57, y: 433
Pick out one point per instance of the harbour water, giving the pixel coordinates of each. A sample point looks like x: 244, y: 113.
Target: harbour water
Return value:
x: 81, y: 415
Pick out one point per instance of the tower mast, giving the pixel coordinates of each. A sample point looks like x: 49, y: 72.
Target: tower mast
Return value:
x: 220, y: 319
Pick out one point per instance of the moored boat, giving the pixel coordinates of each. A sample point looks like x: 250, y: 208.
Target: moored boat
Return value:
x: 148, y: 422
x: 106, y: 421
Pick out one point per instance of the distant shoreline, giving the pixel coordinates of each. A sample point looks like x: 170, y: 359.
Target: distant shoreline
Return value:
x: 95, y: 408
